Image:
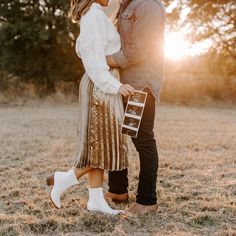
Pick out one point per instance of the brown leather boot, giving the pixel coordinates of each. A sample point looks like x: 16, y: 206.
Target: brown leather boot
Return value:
x: 119, y: 198
x: 138, y: 209
x: 50, y: 180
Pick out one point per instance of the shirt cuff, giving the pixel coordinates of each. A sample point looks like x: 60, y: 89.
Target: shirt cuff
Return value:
x: 117, y: 87
x: 120, y: 59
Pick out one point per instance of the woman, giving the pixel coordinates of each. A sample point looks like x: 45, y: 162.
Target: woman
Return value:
x: 101, y: 146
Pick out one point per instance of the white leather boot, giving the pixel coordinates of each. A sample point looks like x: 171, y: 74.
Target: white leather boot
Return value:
x: 62, y: 181
x: 98, y: 203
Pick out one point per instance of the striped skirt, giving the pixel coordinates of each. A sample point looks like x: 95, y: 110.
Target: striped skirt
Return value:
x: 100, y: 143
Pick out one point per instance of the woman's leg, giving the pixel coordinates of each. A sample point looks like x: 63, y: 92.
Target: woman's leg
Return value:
x: 95, y: 179
x: 96, y: 200
x: 80, y: 172
x: 61, y: 181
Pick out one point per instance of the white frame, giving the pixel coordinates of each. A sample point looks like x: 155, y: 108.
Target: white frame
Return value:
x: 138, y: 104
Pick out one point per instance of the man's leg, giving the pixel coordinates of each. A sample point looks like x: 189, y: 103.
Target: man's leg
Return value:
x: 118, y: 181
x: 146, y: 147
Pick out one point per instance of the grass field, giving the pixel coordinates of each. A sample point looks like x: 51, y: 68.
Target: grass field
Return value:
x: 196, y: 183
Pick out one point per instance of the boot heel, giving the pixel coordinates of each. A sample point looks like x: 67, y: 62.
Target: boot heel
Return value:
x: 50, y: 180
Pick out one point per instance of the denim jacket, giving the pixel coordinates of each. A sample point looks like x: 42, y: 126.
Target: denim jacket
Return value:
x: 141, y: 27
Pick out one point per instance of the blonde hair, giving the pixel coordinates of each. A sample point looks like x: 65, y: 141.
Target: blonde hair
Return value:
x: 78, y: 8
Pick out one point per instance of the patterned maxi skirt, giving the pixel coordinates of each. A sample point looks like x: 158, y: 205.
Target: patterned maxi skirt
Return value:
x: 100, y: 141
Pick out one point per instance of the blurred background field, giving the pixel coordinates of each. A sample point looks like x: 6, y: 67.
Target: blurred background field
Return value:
x: 37, y: 57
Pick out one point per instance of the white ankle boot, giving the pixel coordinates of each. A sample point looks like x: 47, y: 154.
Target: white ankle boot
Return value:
x: 62, y: 181
x: 97, y: 202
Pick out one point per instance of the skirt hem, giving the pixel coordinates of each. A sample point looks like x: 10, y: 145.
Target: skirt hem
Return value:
x: 100, y: 167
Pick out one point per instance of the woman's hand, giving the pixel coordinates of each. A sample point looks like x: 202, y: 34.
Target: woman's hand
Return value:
x: 126, y: 90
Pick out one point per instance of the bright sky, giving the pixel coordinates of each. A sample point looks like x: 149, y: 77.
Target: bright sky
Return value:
x: 177, y: 47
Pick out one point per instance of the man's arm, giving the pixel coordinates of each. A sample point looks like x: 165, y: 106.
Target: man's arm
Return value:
x: 112, y: 62
x: 149, y: 16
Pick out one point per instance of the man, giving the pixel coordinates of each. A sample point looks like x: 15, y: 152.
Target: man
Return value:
x: 141, y: 27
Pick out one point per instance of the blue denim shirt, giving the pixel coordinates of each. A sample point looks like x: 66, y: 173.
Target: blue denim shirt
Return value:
x: 141, y: 27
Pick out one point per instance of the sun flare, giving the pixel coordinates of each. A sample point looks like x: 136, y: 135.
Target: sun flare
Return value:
x: 176, y: 47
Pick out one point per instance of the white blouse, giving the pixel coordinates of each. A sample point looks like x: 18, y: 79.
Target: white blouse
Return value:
x: 112, y: 9
x: 98, y: 38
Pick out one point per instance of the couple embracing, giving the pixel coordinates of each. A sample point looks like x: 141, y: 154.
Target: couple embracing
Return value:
x: 118, y: 60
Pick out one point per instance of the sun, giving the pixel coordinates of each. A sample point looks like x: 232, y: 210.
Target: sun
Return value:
x: 176, y: 47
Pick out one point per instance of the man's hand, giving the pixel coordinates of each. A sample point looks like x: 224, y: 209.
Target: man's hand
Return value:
x: 111, y: 61
x: 126, y: 90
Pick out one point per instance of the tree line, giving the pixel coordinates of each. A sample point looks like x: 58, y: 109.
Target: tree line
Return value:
x: 37, y: 38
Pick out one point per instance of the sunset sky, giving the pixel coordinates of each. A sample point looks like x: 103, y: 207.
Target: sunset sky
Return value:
x: 176, y: 44
x: 177, y: 47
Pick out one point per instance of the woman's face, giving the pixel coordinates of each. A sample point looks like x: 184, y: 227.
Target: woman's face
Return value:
x: 103, y: 3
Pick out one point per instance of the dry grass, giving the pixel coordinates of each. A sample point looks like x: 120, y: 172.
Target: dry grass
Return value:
x: 196, y: 184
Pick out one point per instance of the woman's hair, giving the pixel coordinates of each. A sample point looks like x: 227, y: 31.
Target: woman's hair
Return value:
x: 78, y: 8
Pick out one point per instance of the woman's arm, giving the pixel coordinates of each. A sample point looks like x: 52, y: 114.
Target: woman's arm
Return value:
x: 91, y: 48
